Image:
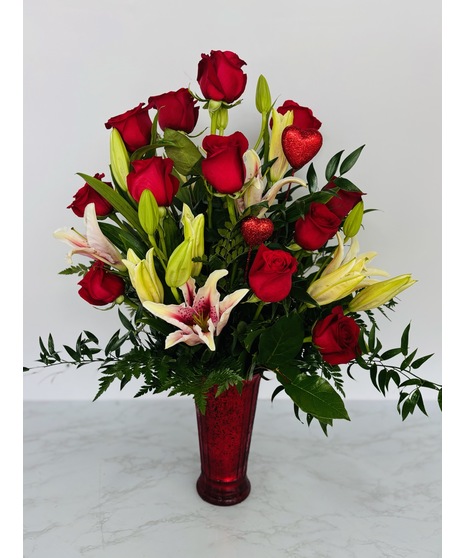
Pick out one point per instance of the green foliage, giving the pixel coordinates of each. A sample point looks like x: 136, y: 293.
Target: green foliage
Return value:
x: 258, y: 336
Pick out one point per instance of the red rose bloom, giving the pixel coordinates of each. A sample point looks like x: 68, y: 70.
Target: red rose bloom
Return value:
x: 153, y: 174
x: 224, y: 167
x: 270, y: 276
x: 86, y: 195
x: 343, y: 202
x: 317, y: 227
x: 303, y: 116
x: 135, y: 127
x: 336, y: 337
x: 220, y: 76
x: 176, y: 110
x: 100, y: 287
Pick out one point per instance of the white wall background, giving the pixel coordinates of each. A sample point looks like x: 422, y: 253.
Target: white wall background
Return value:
x: 371, y: 71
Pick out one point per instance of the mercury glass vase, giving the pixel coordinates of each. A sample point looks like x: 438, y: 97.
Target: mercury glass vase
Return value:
x: 225, y: 433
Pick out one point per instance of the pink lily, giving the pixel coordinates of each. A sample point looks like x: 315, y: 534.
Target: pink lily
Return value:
x: 95, y: 244
x: 202, y: 316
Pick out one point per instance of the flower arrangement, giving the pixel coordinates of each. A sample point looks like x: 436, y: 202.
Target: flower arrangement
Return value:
x: 226, y: 263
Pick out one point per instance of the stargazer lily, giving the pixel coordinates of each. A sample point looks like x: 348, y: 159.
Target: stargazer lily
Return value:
x: 94, y: 244
x: 202, y: 316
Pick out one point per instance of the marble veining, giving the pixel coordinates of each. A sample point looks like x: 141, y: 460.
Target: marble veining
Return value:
x: 117, y: 479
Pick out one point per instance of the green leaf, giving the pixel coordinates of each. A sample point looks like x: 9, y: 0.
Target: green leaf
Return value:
x: 126, y: 323
x: 346, y: 184
x: 390, y: 354
x: 281, y: 342
x: 91, y: 336
x: 404, y: 340
x: 331, y: 167
x: 72, y: 353
x: 440, y: 399
x: 312, y: 179
x: 419, y: 361
x: 182, y: 151
x: 350, y: 160
x: 373, y: 374
x: 372, y: 339
x: 279, y: 389
x: 116, y: 200
x: 316, y: 396
x: 406, y: 362
x: 124, y: 239
x: 383, y: 381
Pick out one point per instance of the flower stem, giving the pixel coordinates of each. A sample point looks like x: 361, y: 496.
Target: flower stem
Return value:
x: 231, y: 210
x: 260, y: 306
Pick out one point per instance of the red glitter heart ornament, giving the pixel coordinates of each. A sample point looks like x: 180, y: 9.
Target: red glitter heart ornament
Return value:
x: 255, y: 230
x: 300, y: 146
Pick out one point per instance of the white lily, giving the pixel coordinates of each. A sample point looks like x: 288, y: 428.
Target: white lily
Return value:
x: 202, y: 316
x: 94, y: 244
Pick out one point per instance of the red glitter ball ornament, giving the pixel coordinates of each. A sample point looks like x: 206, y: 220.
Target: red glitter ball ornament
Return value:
x: 255, y: 230
x: 300, y: 146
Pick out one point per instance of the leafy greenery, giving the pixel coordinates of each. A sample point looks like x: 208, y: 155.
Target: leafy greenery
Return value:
x: 257, y: 337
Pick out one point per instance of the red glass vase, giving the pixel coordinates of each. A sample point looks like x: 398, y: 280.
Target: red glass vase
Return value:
x: 225, y: 432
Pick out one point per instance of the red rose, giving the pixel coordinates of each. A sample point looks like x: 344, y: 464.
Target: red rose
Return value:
x: 220, y: 76
x: 100, y: 287
x: 86, y: 195
x: 303, y: 116
x: 176, y: 110
x: 317, y: 227
x: 135, y: 127
x: 224, y: 167
x: 270, y: 276
x: 336, y: 337
x: 153, y: 174
x: 343, y: 202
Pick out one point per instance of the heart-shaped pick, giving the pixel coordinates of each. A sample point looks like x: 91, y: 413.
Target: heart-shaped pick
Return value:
x: 300, y: 146
x: 255, y: 230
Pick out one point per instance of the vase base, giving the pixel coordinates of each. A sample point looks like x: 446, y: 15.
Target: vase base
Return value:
x: 223, y: 493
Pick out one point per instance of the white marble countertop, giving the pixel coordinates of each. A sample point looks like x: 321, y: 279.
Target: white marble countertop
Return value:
x: 117, y: 479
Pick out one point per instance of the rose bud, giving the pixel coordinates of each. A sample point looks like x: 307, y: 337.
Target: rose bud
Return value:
x: 224, y: 167
x: 220, y: 76
x: 317, y: 227
x: 336, y: 337
x: 86, y: 195
x: 135, y: 127
x: 176, y: 110
x: 270, y: 276
x: 100, y: 287
x: 153, y: 174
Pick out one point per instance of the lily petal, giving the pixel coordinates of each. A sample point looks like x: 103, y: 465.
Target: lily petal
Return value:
x: 104, y: 249
x: 227, y: 305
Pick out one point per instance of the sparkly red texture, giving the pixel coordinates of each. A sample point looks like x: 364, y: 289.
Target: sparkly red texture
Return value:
x: 300, y: 146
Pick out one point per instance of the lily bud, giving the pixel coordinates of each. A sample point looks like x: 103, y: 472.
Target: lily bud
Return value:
x: 179, y: 268
x: 337, y: 284
x: 280, y: 122
x: 119, y: 159
x: 148, y: 212
x: 379, y: 293
x: 194, y: 230
x: 353, y: 221
x: 144, y: 277
x: 263, y: 96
